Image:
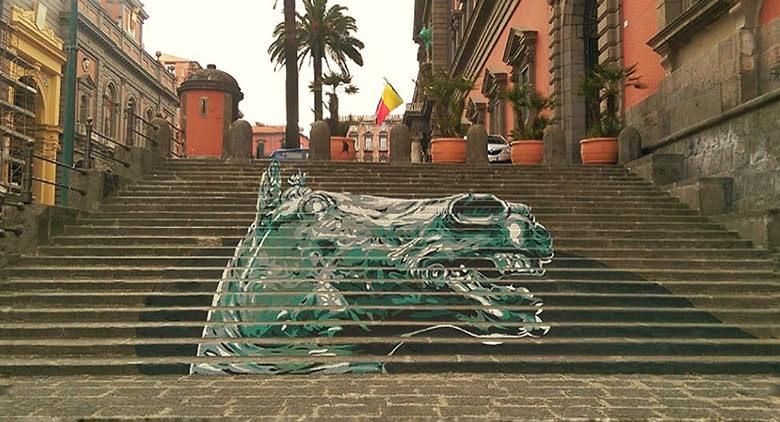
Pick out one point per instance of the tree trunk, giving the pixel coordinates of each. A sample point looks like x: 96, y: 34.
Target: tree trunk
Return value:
x: 317, y: 87
x: 292, y: 138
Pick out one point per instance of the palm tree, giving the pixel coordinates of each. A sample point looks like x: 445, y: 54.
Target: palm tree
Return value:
x: 323, y: 34
x: 292, y: 137
x: 335, y: 81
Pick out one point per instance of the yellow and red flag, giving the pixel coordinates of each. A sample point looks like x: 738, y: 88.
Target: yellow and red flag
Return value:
x: 390, y: 101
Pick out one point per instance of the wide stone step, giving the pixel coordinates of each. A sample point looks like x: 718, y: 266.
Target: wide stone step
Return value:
x: 626, y: 285
x: 251, y: 201
x: 174, y: 271
x: 268, y: 314
x: 439, y: 363
x: 593, y: 253
x: 93, y: 295
x: 195, y: 208
x: 547, y: 218
x: 638, y: 233
x: 434, y: 180
x: 10, y: 330
x: 183, y: 346
x: 560, y: 262
x: 404, y: 191
x: 553, y: 226
x: 561, y: 243
x: 497, y: 186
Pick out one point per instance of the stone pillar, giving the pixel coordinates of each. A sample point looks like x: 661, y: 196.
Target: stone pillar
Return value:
x: 400, y: 144
x: 238, y: 144
x: 319, y: 142
x: 554, y: 146
x: 47, y: 148
x: 629, y: 145
x: 163, y: 137
x: 417, y: 149
x: 477, y: 141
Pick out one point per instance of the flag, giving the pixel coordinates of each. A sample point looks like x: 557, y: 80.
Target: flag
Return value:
x: 390, y: 101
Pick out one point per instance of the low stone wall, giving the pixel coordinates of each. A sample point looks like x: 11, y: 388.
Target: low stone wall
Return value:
x: 742, y: 144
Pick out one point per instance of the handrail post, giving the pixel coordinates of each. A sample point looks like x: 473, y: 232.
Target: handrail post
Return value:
x: 88, y: 145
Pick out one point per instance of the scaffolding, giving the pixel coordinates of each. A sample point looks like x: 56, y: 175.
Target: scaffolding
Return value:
x: 18, y: 123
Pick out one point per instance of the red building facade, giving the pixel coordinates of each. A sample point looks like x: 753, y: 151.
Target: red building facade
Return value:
x: 209, y: 105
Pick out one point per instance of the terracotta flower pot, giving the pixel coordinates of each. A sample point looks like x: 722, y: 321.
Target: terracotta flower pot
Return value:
x: 527, y: 152
x: 342, y: 148
x: 448, y: 150
x: 599, y: 151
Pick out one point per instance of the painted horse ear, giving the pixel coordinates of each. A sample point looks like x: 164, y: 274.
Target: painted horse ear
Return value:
x: 478, y: 209
x: 270, y: 194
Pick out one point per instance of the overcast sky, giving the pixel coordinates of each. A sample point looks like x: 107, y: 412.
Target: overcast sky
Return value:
x: 235, y: 34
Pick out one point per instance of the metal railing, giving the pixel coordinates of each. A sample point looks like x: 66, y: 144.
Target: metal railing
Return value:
x: 92, y: 144
x: 136, y: 122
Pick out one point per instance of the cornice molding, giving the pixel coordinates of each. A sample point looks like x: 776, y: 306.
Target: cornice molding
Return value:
x: 112, y: 49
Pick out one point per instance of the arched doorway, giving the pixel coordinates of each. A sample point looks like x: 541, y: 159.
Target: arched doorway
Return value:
x: 590, y: 42
x: 28, y: 176
x: 110, y: 118
x: 575, y: 49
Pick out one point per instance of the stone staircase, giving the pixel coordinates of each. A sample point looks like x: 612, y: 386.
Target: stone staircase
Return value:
x: 639, y: 282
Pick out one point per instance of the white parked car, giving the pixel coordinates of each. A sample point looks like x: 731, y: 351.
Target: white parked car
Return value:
x: 498, y: 149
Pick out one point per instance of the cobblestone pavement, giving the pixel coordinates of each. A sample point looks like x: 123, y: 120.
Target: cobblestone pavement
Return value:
x: 414, y: 397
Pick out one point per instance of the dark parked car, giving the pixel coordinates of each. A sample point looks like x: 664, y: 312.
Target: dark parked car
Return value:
x: 291, y: 154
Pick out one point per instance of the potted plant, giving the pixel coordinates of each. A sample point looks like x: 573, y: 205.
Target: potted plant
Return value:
x: 448, y: 95
x: 528, y: 105
x: 342, y: 148
x: 604, y: 85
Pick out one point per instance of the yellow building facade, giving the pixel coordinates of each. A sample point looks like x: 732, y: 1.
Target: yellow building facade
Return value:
x: 32, y: 72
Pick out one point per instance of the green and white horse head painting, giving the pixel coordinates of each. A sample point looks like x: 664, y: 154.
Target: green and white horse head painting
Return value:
x: 314, y: 257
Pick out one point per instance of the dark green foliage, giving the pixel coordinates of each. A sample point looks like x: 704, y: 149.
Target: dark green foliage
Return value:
x: 449, y: 97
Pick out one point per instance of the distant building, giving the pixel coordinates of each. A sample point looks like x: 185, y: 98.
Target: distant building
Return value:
x: 372, y: 141
x: 209, y: 105
x: 181, y: 68
x: 268, y: 138
x: 117, y: 78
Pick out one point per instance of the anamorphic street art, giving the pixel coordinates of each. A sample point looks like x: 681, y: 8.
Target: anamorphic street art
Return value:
x: 318, y: 264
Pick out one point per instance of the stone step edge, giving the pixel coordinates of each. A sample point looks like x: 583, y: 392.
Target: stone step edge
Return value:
x: 454, y: 359
x: 60, y: 309
x: 419, y: 339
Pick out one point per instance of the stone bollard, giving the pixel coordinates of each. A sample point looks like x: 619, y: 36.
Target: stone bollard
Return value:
x: 238, y: 145
x: 400, y: 144
x: 477, y: 141
x: 319, y: 142
x: 629, y: 145
x: 416, y: 150
x: 554, y: 146
x: 163, y: 136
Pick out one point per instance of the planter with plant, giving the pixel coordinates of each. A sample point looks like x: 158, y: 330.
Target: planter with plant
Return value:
x: 342, y: 148
x: 528, y: 105
x: 604, y: 86
x: 448, y: 95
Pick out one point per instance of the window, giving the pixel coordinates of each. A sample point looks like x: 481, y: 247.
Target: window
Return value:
x: 84, y: 108
x: 369, y: 137
x: 204, y: 106
x: 110, y: 115
x: 354, y: 137
x: 383, y: 141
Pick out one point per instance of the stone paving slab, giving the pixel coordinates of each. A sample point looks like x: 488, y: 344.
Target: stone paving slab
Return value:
x: 397, y: 397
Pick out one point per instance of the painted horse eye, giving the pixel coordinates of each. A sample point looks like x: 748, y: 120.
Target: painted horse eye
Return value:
x: 479, y: 209
x: 315, y: 204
